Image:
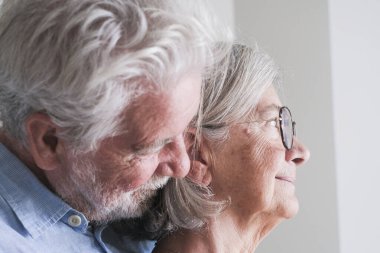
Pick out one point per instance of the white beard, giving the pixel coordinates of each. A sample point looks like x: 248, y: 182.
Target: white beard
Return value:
x: 80, y: 188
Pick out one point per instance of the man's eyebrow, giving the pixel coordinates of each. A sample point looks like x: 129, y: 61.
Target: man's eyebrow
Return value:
x: 153, y: 145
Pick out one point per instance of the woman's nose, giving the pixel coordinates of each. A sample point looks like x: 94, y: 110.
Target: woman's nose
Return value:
x: 299, y: 153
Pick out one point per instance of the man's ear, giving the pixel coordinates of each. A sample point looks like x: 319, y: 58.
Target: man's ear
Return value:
x: 200, y: 159
x: 44, y: 145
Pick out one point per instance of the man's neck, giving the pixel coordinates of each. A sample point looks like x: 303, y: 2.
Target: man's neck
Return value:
x: 23, y: 155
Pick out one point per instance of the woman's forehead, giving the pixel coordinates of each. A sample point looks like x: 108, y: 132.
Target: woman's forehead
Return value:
x: 270, y: 96
x: 274, y: 107
x: 269, y: 102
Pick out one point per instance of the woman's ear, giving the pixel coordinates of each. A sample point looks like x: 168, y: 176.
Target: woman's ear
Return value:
x: 44, y: 145
x: 200, y: 169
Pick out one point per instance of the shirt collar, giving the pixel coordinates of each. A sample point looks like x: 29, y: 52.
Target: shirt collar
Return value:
x: 36, y: 207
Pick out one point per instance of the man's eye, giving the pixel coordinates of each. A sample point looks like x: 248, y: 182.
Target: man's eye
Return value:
x: 153, y: 148
x: 148, y: 151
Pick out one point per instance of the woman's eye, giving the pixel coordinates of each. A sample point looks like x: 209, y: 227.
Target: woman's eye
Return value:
x: 272, y: 122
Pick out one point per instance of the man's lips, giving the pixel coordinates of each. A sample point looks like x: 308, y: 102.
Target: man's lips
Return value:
x: 287, y: 179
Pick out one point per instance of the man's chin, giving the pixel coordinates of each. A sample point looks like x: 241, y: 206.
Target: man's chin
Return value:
x: 141, y: 199
x: 126, y: 205
x: 143, y: 203
x: 101, y: 206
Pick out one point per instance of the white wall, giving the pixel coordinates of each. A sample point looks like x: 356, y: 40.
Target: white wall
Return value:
x: 225, y: 11
x: 355, y: 44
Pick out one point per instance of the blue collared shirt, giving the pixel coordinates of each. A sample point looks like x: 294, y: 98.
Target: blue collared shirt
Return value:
x: 35, y: 220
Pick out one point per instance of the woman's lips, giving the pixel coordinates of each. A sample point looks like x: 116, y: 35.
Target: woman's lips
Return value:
x: 287, y: 179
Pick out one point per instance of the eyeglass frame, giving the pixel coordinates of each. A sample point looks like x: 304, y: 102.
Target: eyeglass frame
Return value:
x: 281, y: 128
x: 280, y: 119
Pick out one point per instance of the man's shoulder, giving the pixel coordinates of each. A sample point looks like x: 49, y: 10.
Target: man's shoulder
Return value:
x: 9, y: 223
x: 13, y: 240
x: 14, y: 237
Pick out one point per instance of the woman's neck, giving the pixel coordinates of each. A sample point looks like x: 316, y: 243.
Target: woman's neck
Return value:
x: 225, y: 233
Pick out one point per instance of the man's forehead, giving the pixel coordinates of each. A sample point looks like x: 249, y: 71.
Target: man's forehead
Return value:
x: 144, y: 113
x: 163, y: 114
x: 149, y: 104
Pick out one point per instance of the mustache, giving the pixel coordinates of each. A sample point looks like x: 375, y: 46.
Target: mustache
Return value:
x: 154, y: 183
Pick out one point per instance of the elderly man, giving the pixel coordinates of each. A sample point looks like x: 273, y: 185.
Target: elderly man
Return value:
x: 95, y: 95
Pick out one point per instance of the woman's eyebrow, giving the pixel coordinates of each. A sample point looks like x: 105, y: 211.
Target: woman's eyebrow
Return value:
x: 268, y: 109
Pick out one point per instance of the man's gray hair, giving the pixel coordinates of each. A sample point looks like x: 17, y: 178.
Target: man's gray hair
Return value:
x: 82, y: 61
x: 231, y: 93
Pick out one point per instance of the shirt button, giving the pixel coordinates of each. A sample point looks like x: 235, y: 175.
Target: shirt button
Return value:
x: 75, y: 220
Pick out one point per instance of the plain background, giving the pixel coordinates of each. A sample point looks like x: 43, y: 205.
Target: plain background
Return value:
x: 329, y: 51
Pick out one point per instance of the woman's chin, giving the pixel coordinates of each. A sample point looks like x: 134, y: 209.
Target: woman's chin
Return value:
x: 289, y: 209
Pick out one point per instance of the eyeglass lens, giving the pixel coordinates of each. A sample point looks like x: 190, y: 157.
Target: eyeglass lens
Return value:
x: 286, y: 127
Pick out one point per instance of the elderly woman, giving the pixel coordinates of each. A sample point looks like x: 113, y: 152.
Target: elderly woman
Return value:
x: 246, y: 154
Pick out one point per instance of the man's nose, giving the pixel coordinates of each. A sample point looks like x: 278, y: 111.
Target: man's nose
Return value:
x: 299, y: 153
x: 174, y: 160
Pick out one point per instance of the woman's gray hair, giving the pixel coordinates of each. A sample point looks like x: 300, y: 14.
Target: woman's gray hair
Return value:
x: 235, y: 91
x: 82, y: 61
x: 231, y: 93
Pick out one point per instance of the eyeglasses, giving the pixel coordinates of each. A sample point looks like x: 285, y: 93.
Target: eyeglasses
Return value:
x: 286, y: 125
